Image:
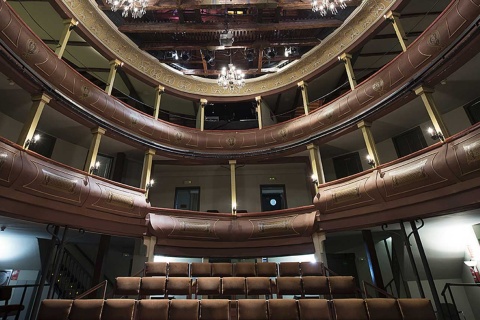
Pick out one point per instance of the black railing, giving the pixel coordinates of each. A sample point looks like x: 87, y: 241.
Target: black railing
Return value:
x: 454, y: 314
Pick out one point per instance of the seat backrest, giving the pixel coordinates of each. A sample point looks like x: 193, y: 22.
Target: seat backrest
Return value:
x: 86, y: 309
x: 244, y: 269
x: 215, y: 309
x: 252, y: 309
x: 222, y: 269
x: 200, y: 269
x: 342, y: 285
x: 417, y: 308
x: 178, y: 269
x: 54, y: 309
x: 184, y: 309
x: 383, y: 309
x: 258, y: 285
x: 155, y: 309
x: 289, y: 269
x: 179, y: 286
x: 282, y: 309
x: 350, y: 309
x: 153, y: 286
x: 233, y: 285
x: 289, y: 286
x: 312, y: 268
x: 127, y: 286
x: 155, y: 269
x: 208, y: 286
x: 118, y: 309
x: 315, y: 285
x: 314, y: 309
x: 266, y: 269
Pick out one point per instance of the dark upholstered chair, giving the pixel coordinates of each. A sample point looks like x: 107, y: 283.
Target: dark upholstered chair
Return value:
x: 314, y: 309
x: 184, y: 309
x: 233, y: 286
x: 289, y: 286
x: 416, y: 309
x: 258, y: 286
x: 127, y: 286
x: 157, y: 269
x: 282, y: 309
x: 200, y: 269
x: 342, y: 286
x: 118, y: 309
x: 222, y: 269
x: 383, y: 309
x: 152, y: 309
x: 215, y: 309
x: 244, y: 269
x: 350, y: 309
x: 315, y: 285
x: 208, y: 286
x: 54, y: 309
x: 178, y: 269
x: 179, y: 286
x: 90, y: 309
x: 289, y: 269
x: 311, y: 268
x: 266, y: 269
x: 153, y: 286
x: 8, y: 309
x: 252, y: 309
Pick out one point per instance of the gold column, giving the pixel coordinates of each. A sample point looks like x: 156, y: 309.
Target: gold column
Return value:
x: 319, y: 245
x: 38, y: 103
x: 68, y: 26
x: 94, y: 145
x: 346, y: 59
x: 233, y: 186
x: 303, y: 87
x: 394, y: 18
x: 369, y: 141
x: 203, y: 103
x: 258, y: 99
x: 158, y: 98
x: 149, y: 242
x: 427, y: 97
x: 147, y: 168
x: 316, y: 162
x: 114, y: 64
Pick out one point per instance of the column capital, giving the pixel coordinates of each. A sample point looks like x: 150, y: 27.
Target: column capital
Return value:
x: 311, y: 146
x: 344, y: 57
x: 43, y: 97
x: 422, y: 90
x: 302, y: 84
x: 363, y: 124
x: 258, y: 98
x: 98, y: 130
x: 390, y: 15
x: 230, y: 162
x: 71, y: 22
x: 203, y: 102
x: 115, y: 63
x: 160, y: 89
x: 150, y: 152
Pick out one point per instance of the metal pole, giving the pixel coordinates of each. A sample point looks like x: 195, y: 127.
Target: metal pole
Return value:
x: 412, y: 261
x: 56, y: 265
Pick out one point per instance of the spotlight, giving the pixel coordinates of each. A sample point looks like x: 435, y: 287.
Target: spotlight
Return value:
x: 370, y: 161
x: 185, y: 56
x: 209, y: 58
x: 249, y: 56
x: 436, y: 134
x: 32, y: 141
x: 175, y: 55
x: 94, y: 169
x: 271, y: 53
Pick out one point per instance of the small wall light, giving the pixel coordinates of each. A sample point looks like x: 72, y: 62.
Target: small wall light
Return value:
x: 94, y: 168
x: 314, y: 180
x: 436, y: 134
x: 32, y: 141
x: 370, y: 161
x: 150, y: 184
x: 234, y: 208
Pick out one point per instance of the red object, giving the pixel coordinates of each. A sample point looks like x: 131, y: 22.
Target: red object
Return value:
x: 15, y: 274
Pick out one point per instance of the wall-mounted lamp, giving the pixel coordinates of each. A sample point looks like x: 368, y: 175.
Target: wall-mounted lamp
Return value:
x: 73, y: 26
x: 436, y: 134
x: 150, y: 184
x: 314, y: 180
x: 234, y: 208
x: 94, y: 168
x: 32, y: 141
x: 389, y: 18
x: 118, y: 65
x: 370, y: 161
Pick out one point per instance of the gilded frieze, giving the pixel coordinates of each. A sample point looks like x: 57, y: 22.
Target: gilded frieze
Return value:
x: 411, y: 174
x: 472, y: 152
x: 58, y: 183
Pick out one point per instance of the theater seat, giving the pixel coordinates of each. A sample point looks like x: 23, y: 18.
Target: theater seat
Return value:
x: 54, y: 309
x: 417, y: 309
x: 282, y: 309
x: 127, y: 286
x: 152, y: 310
x: 266, y: 269
x: 312, y: 269
x: 222, y: 269
x: 233, y: 285
x: 218, y: 309
x: 350, y: 309
x: 314, y: 309
x: 315, y: 285
x: 179, y: 286
x: 178, y: 269
x: 258, y: 286
x: 244, y: 269
x: 383, y: 309
x: 289, y: 269
x: 208, y: 286
x: 200, y: 269
x: 184, y: 309
x: 342, y: 286
x: 155, y: 269
x: 289, y: 286
x: 153, y: 286
x: 118, y: 309
x: 86, y: 309
x: 252, y: 309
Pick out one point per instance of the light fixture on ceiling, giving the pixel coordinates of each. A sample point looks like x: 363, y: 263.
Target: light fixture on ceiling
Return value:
x: 325, y: 6
x: 137, y: 8
x: 231, y: 78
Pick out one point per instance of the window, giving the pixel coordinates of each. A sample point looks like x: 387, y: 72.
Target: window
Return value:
x: 273, y: 197
x: 473, y: 111
x: 409, y: 142
x: 347, y: 165
x: 44, y: 146
x: 187, y: 198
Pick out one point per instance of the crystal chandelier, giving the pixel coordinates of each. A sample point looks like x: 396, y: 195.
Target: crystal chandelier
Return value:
x: 231, y: 78
x: 136, y: 7
x: 323, y: 6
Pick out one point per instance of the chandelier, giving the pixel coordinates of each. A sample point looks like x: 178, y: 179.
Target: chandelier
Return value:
x: 136, y: 7
x: 323, y: 6
x: 232, y: 78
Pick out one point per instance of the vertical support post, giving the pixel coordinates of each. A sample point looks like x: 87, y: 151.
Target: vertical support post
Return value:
x: 303, y: 87
x: 258, y: 99
x: 57, y: 262
x: 426, y: 267
x: 427, y: 97
x: 203, y: 103
x: 38, y: 103
x: 68, y: 26
x: 412, y: 260
x: 147, y: 169
x: 394, y: 18
x: 369, y: 141
x: 317, y: 167
x: 150, y: 242
x: 114, y: 64
x: 319, y: 244
x: 94, y: 145
x: 100, y: 261
x: 233, y: 186
x: 372, y: 258
x: 346, y: 58
x: 158, y: 98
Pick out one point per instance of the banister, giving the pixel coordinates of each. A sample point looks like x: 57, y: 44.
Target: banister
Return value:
x: 371, y: 285
x: 93, y: 289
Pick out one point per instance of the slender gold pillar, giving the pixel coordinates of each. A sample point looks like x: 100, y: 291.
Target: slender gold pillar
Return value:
x: 319, y: 245
x: 114, y: 64
x: 158, y: 98
x: 68, y: 26
x: 38, y: 103
x: 427, y: 97
x: 258, y: 99
x: 203, y: 103
x: 316, y: 162
x: 303, y: 87
x: 147, y: 168
x: 233, y: 186
x: 369, y: 141
x: 346, y: 59
x: 394, y: 17
x: 97, y: 134
x: 150, y: 242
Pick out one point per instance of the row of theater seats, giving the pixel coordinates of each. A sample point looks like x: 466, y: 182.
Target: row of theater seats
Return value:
x: 330, y: 286
x: 239, y: 269
x: 246, y: 309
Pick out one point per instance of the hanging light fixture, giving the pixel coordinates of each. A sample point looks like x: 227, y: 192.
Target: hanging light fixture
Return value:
x: 137, y: 8
x: 231, y: 78
x: 324, y: 6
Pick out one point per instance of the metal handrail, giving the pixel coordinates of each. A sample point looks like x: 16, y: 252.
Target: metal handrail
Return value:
x: 365, y: 292
x: 448, y: 286
x: 24, y: 286
x: 93, y: 289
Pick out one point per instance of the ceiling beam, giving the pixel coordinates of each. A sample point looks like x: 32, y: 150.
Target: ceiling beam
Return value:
x: 212, y: 72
